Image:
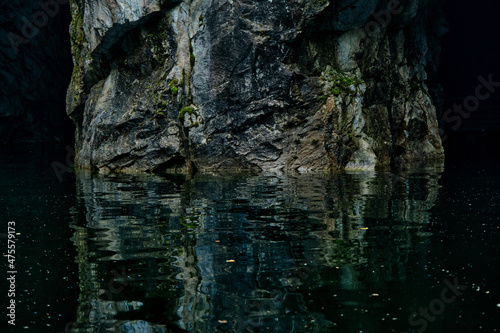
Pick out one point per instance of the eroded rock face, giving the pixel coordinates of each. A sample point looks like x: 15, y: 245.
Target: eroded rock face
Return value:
x: 261, y: 85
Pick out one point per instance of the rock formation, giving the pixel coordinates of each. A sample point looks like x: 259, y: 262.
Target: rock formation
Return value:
x: 277, y: 85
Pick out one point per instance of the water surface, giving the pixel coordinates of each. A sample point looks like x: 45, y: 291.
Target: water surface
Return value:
x: 352, y: 252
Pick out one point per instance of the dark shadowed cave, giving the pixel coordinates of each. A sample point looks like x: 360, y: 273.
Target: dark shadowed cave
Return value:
x: 35, y: 78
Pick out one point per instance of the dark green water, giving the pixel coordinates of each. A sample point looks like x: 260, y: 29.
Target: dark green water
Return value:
x: 354, y: 252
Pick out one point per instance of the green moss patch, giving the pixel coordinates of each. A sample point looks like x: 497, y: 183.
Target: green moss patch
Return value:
x: 186, y: 110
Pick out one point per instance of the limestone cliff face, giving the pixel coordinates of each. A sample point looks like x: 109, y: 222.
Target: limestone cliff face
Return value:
x: 261, y: 85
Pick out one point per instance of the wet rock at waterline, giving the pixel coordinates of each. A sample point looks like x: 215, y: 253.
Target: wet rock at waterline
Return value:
x: 254, y: 85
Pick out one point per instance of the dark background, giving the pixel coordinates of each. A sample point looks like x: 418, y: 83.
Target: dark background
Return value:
x: 470, y: 49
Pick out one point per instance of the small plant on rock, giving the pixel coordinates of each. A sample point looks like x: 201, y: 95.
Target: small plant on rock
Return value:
x: 173, y: 87
x: 186, y: 110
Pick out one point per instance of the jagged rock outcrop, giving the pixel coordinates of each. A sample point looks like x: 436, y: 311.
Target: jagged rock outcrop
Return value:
x: 260, y: 85
x: 35, y: 67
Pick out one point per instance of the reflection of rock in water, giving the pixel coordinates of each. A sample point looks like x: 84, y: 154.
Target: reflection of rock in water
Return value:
x: 238, y: 254
x: 192, y: 306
